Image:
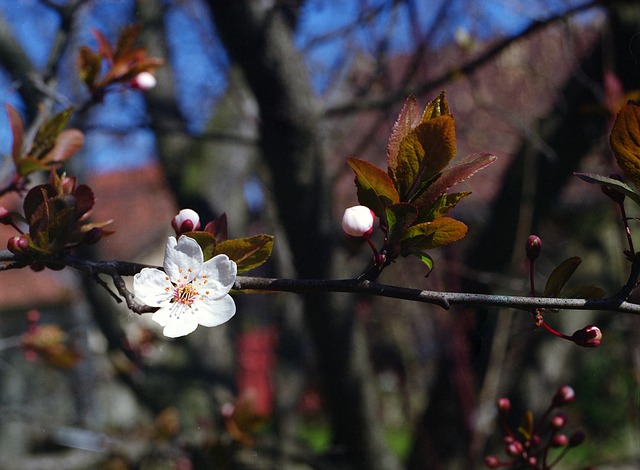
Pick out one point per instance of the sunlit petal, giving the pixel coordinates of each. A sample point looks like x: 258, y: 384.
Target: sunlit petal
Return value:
x: 152, y: 287
x: 211, y: 312
x: 183, y: 259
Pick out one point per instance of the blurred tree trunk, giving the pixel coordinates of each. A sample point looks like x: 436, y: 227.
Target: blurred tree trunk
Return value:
x: 260, y: 41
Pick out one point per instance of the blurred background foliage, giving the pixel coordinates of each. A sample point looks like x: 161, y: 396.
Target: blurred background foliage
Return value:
x: 255, y: 114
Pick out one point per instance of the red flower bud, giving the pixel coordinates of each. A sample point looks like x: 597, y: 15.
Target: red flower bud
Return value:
x: 589, y: 337
x: 187, y: 220
x: 18, y: 245
x: 563, y: 396
x: 533, y: 247
x: 358, y: 221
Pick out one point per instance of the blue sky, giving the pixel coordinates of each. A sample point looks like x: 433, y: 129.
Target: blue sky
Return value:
x: 119, y: 135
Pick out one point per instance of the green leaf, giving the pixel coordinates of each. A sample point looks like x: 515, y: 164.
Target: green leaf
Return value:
x: 425, y: 258
x: 407, y: 120
x: 429, y: 235
x: 526, y: 428
x: 374, y: 186
x: 48, y: 133
x: 89, y: 66
x: 559, y: 277
x: 28, y: 165
x: 454, y: 175
x: 611, y: 183
x: 399, y: 217
x: 439, y: 208
x: 437, y: 107
x: 625, y: 141
x: 249, y: 252
x: 424, y: 153
x: 206, y: 241
x: 586, y: 291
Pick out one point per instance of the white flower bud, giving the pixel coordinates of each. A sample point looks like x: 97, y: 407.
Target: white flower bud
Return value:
x: 358, y: 221
x: 144, y: 81
x: 187, y: 220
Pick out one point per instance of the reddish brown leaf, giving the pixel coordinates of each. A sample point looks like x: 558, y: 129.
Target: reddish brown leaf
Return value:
x: 454, y: 175
x: 437, y: 107
x: 424, y: 153
x: 127, y: 39
x: 407, y: 120
x: 104, y: 47
x: 249, y: 252
x: 67, y: 143
x: 625, y: 141
x: 17, y: 131
x: 560, y: 275
x: 374, y: 186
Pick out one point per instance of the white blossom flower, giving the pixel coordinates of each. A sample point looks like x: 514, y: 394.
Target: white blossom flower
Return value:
x: 358, y: 221
x: 190, y: 291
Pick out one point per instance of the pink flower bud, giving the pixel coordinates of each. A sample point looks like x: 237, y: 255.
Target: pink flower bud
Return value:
x: 504, y: 405
x: 144, y: 81
x: 588, y: 337
x: 533, y: 247
x: 563, y: 396
x: 558, y: 421
x: 358, y: 221
x: 559, y: 440
x: 491, y: 461
x: 187, y: 220
x: 515, y: 449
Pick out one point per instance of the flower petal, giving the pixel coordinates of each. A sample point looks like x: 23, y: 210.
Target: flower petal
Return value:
x: 214, y: 312
x: 152, y: 287
x: 220, y: 274
x: 183, y: 259
x: 177, y: 319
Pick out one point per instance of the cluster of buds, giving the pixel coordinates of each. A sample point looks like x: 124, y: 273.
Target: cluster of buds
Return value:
x: 530, y: 448
x: 54, y: 220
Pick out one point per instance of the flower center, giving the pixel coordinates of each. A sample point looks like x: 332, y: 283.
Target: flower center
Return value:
x: 185, y: 294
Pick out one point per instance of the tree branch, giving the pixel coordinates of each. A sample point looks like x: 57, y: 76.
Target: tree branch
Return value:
x: 442, y: 299
x: 117, y: 269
